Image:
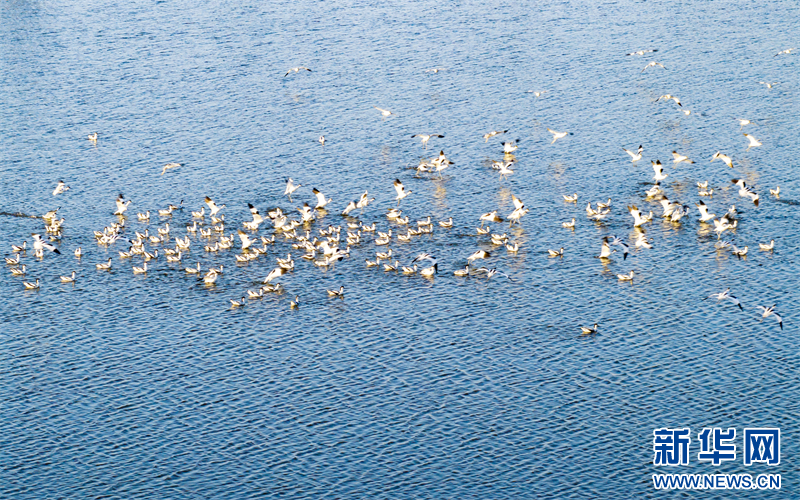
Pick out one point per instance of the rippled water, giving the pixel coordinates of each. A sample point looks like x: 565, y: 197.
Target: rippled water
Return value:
x: 151, y: 386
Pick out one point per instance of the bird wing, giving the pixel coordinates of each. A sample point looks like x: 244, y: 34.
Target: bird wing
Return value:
x: 398, y: 186
x: 517, y: 203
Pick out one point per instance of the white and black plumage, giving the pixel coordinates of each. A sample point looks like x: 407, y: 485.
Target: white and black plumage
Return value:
x: 605, y: 250
x: 493, y: 133
x: 641, y: 52
x: 275, y: 273
x: 291, y: 187
x: 679, y: 158
x: 490, y: 272
x: 519, y: 211
x: 787, y: 51
x: 122, y: 205
x: 321, y: 201
x: 587, y: 331
x: 480, y: 254
x: 39, y: 244
x: 296, y: 70
x: 336, y: 293
x: 753, y: 142
x: 212, y: 206
x: 704, y: 215
x: 745, y: 191
x: 169, y: 166
x: 766, y: 312
x: 725, y: 158
x: 635, y: 156
x: 426, y: 137
x: 659, y: 171
x: 61, y: 187
x: 401, y: 191
x: 726, y: 295
x: 558, y: 135
x: 618, y: 242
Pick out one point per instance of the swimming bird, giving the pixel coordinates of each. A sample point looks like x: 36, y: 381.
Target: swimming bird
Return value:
x: 321, y: 140
x: 122, y: 205
x: 237, y: 303
x: 753, y: 142
x: 336, y: 293
x: 569, y: 225
x: 678, y: 158
x: 104, y: 267
x: 12, y: 261
x: 140, y: 270
x: 767, y: 247
x: 210, y: 277
x: 19, y: 271
x: 401, y: 192
x: 92, y: 138
x: 78, y: 253
x: 556, y: 253
x: 626, y: 277
x: 425, y: 138
x: 170, y: 166
x: 462, y: 272
x: 641, y: 52
x: 558, y: 135
x: 296, y: 70
x: 725, y: 295
x: 776, y: 192
x: 39, y: 244
x: 31, y: 286
x: 50, y: 215
x: 294, y: 304
x: 19, y: 248
x: 635, y: 156
x: 290, y: 188
x: 653, y: 64
x: 725, y: 158
x: 480, y: 254
x: 61, y: 187
x: 493, y: 133
x: 570, y: 199
x: 321, y: 201
x: 745, y: 191
x: 739, y: 252
x: 490, y: 217
x: 587, y: 331
x: 765, y: 313
x: 787, y: 51
x: 384, y: 112
x: 193, y: 270
x: 447, y: 224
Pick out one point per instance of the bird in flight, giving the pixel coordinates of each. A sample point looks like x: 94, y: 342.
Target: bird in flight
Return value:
x: 653, y: 64
x: 384, y: 112
x: 401, y: 191
x: 434, y: 70
x: 493, y: 133
x: 753, y: 142
x: 557, y: 135
x: 770, y: 311
x: 769, y: 84
x: 668, y: 97
x: 725, y: 158
x: 170, y: 166
x: 787, y: 51
x: 726, y: 295
x: 641, y: 52
x: 426, y: 137
x: 295, y: 70
x: 61, y: 187
x: 635, y: 156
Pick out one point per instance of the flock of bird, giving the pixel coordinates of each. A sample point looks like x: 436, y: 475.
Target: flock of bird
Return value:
x: 323, y: 245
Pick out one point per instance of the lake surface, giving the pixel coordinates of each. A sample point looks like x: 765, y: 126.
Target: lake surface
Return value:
x: 152, y: 386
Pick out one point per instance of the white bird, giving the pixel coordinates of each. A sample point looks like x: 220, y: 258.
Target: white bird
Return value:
x: 321, y: 140
x: 626, y: 277
x: 493, y: 133
x: 587, y: 331
x: 742, y: 122
x: 605, y: 250
x: 787, y: 51
x: 480, y: 254
x: 275, y: 273
x: 767, y: 247
x: 510, y: 146
x: 401, y: 192
x: 193, y: 270
x: 670, y: 97
x: 349, y: 208
x: 745, y: 191
x: 78, y: 253
x: 446, y: 223
x: 776, y: 192
x: 490, y: 272
x: 39, y: 244
x: 104, y: 267
x: 678, y: 158
x: 122, y: 205
x: 336, y: 293
x: 638, y: 218
x: 618, y: 242
x: 425, y: 138
x: 321, y: 201
x: 653, y: 64
x: 211, y: 277
x: 653, y: 191
x: 140, y: 270
x: 556, y: 253
x: 290, y: 188
x: 238, y: 303
x: 725, y: 158
x: 92, y: 138
x: 725, y: 295
x: 571, y: 199
x: 659, y: 171
x: 536, y: 93
x: 296, y: 70
x: 384, y: 112
x: 641, y: 52
x: 643, y: 242
x: 635, y: 156
x: 704, y: 215
x: 765, y: 313
x: 170, y: 166
x: 31, y: 286
x: 61, y: 187
x: 246, y: 241
x: 569, y: 225
x: 558, y: 135
x: 19, y: 271
x: 213, y: 207
x: 753, y: 142
x: 769, y: 84
x: 19, y: 248
x: 519, y: 211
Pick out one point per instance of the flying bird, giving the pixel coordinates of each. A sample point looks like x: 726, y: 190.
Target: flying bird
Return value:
x: 725, y: 158
x: 635, y: 156
x: 787, y: 51
x: 170, y: 166
x: 493, y: 133
x: 384, y: 112
x: 401, y: 191
x: 296, y: 70
x: 641, y: 52
x: 558, y: 135
x: 766, y: 312
x: 653, y: 65
x: 425, y: 138
x: 753, y: 142
x: 60, y: 188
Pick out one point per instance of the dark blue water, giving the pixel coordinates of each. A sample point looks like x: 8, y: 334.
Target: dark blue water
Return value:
x: 151, y: 386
